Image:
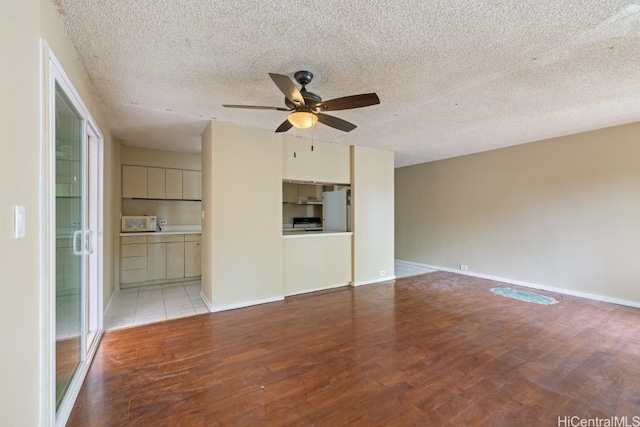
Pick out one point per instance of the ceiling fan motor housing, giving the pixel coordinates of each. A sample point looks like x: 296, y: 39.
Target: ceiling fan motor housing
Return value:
x: 310, y: 99
x: 303, y: 77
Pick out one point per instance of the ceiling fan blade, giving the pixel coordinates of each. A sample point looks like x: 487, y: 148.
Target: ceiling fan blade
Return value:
x: 255, y: 107
x: 286, y: 85
x: 348, y: 102
x: 285, y: 126
x: 335, y: 122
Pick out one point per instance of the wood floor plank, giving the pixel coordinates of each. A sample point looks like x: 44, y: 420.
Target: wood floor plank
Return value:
x: 434, y: 350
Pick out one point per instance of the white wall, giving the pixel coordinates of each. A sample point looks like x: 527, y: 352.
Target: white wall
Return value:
x: 207, y: 208
x: 242, y: 228
x: 22, y: 23
x: 373, y: 215
x: 313, y: 263
x: 19, y: 166
x: 159, y: 158
x: 328, y: 162
x: 561, y: 213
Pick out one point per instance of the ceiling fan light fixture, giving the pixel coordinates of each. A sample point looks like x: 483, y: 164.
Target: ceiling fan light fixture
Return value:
x: 302, y: 119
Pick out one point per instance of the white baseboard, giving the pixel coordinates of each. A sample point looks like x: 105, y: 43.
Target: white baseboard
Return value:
x: 417, y: 264
x: 214, y: 309
x: 595, y: 297
x: 323, y: 288
x: 206, y: 302
x: 371, y: 282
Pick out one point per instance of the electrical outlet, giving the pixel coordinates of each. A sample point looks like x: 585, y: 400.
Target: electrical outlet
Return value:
x: 463, y: 267
x: 383, y: 273
x: 162, y: 222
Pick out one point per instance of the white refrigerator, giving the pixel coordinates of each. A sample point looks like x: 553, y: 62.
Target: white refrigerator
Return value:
x: 336, y: 210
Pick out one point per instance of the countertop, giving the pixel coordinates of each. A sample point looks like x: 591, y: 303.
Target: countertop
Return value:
x: 166, y: 230
x: 304, y: 234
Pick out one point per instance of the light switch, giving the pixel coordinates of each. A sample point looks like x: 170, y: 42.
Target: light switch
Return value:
x: 19, y: 221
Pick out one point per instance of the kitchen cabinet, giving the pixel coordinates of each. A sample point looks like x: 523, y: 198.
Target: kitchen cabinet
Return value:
x: 159, y: 258
x: 168, y: 256
x: 310, y: 192
x: 133, y: 259
x: 156, y: 261
x: 301, y: 193
x: 134, y: 182
x: 192, y: 254
x: 174, y: 184
x: 175, y: 260
x: 289, y: 192
x: 141, y: 182
x: 190, y: 185
x: 156, y: 183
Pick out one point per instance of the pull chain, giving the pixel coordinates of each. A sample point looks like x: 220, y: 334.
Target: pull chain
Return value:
x: 294, y: 142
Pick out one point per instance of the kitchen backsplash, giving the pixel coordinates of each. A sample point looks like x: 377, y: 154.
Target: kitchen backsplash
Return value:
x: 176, y: 212
x: 289, y: 211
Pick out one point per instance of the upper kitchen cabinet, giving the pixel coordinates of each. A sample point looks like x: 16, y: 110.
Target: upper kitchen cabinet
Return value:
x: 301, y: 193
x: 309, y: 193
x: 174, y: 184
x: 191, y: 185
x: 156, y: 183
x: 141, y: 182
x: 290, y: 192
x: 326, y: 162
x: 134, y: 182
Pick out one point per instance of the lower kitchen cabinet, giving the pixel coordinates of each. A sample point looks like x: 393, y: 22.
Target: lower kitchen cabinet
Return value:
x: 156, y: 261
x: 192, y: 253
x: 133, y: 259
x: 159, y: 258
x: 175, y: 260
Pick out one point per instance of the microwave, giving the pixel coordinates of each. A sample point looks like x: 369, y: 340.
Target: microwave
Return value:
x: 132, y: 224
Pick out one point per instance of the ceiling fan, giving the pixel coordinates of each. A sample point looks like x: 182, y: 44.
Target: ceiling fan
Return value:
x: 307, y: 108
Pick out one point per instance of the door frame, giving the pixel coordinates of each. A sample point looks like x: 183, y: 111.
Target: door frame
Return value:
x: 52, y: 72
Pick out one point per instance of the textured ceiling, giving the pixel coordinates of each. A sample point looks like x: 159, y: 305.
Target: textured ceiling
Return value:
x: 453, y: 76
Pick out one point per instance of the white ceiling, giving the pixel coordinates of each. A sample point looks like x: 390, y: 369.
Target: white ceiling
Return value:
x: 453, y: 76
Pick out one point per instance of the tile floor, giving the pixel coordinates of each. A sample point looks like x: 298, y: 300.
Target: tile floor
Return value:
x: 148, y: 304
x: 406, y: 269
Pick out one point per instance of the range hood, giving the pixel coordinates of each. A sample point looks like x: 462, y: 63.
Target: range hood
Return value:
x: 309, y: 200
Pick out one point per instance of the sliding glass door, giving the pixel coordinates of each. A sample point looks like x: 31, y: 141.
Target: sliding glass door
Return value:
x: 75, y: 201
x: 70, y: 235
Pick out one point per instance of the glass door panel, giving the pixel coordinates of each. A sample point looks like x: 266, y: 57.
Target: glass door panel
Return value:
x: 69, y: 215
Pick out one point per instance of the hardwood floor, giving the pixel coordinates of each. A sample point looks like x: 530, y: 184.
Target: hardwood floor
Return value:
x: 436, y: 349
